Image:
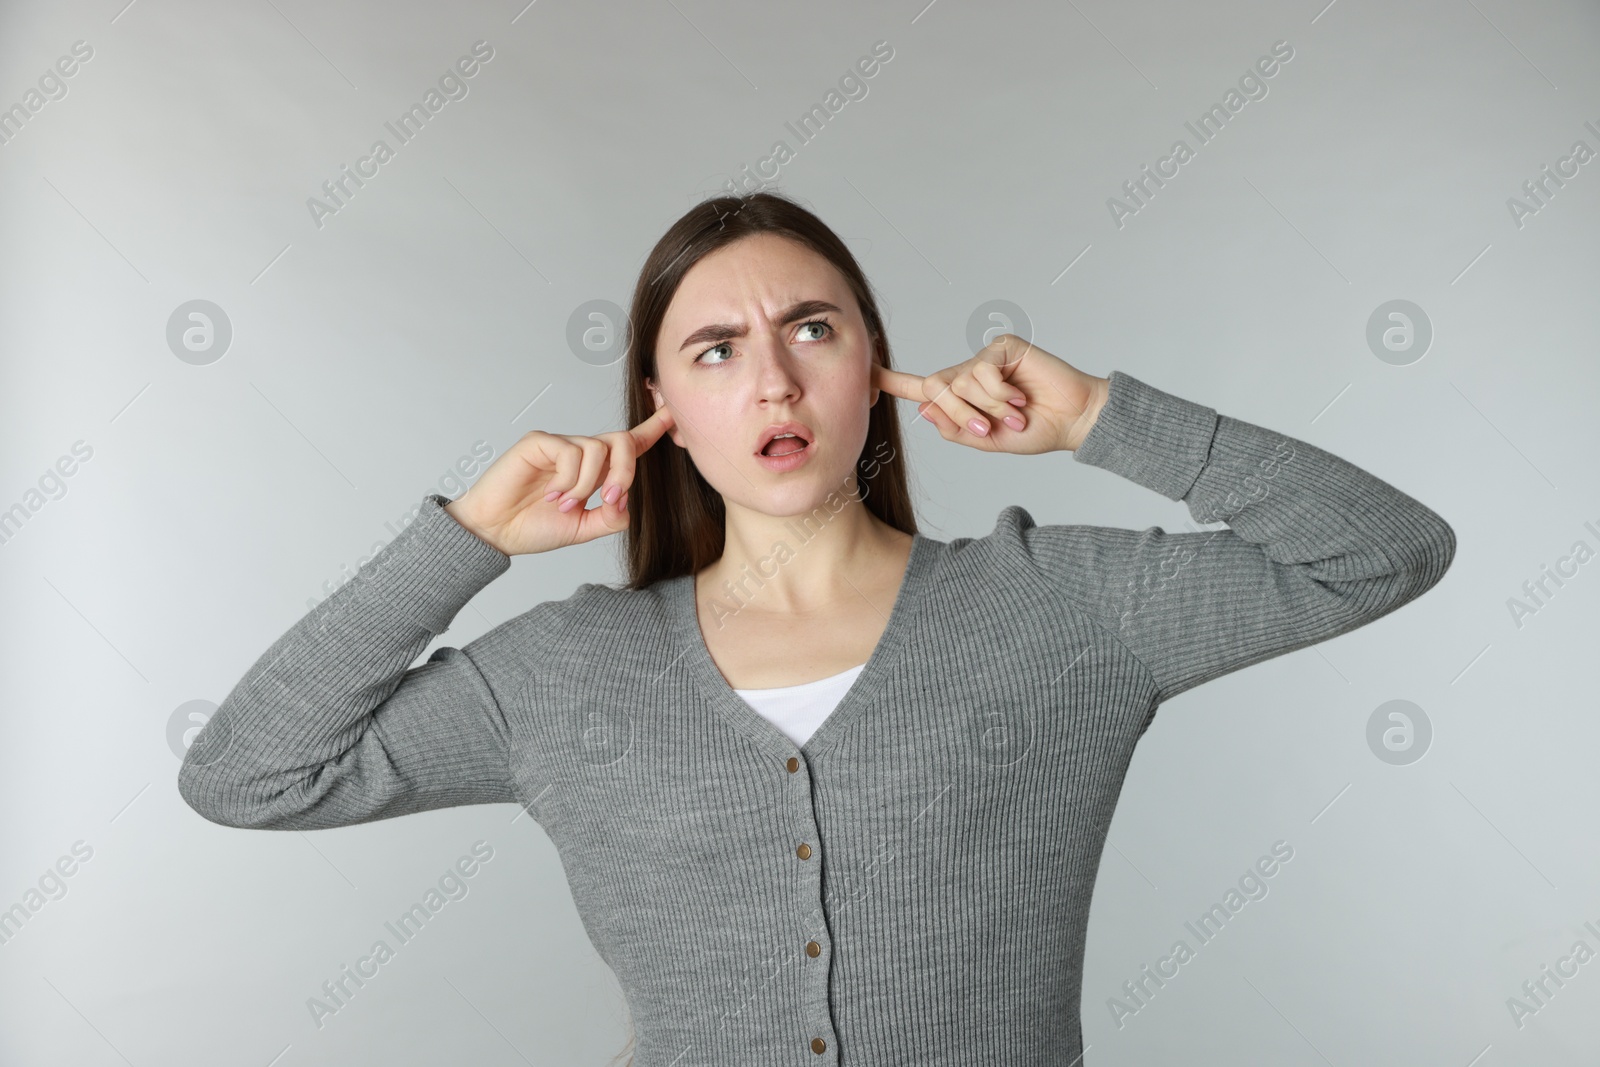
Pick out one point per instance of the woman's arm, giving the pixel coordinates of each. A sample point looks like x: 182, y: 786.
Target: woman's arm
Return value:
x: 330, y: 727
x: 1314, y: 545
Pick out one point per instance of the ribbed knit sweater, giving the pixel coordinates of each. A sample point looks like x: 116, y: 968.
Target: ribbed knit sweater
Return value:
x: 912, y: 885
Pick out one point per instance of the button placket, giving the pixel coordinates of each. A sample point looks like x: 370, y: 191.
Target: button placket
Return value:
x: 804, y: 852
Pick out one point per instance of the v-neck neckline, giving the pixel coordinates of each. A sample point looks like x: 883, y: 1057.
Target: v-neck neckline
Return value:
x: 681, y: 595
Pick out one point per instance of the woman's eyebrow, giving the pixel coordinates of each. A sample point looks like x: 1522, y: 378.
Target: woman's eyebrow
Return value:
x: 727, y: 331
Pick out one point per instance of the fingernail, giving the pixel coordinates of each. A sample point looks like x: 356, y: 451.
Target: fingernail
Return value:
x: 1019, y: 401
x: 551, y: 495
x: 567, y: 505
x: 1013, y: 422
x: 611, y: 494
x: 977, y: 427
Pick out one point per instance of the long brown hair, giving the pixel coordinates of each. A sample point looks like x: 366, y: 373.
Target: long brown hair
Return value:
x: 675, y: 517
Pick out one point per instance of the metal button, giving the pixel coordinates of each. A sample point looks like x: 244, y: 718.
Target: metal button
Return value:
x: 793, y: 765
x: 804, y: 851
x: 818, y: 1045
x: 813, y: 949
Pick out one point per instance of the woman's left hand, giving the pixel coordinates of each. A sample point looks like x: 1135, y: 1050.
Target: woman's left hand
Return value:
x: 971, y: 403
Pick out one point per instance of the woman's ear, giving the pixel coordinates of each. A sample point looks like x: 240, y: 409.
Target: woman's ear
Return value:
x: 872, y: 377
x: 655, y: 395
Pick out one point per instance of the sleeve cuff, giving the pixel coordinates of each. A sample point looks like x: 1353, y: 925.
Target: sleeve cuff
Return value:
x: 432, y: 567
x: 1150, y: 437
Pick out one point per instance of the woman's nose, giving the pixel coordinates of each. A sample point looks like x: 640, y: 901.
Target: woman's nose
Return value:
x: 776, y: 370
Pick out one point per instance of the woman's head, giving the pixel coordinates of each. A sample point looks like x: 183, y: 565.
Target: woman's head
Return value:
x: 751, y: 312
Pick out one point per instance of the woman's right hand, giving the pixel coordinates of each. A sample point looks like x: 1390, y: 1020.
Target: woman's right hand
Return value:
x: 531, y: 498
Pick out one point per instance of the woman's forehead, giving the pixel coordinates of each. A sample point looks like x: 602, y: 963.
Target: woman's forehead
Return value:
x: 757, y: 267
x: 729, y: 289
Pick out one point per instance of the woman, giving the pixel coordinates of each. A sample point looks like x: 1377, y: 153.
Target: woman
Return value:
x: 821, y: 785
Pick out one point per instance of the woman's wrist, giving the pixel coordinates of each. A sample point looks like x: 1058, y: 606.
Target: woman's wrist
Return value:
x: 1099, y: 393
x: 459, y: 513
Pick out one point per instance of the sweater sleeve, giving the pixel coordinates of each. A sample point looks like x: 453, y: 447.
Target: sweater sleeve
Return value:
x: 329, y: 727
x: 1314, y: 546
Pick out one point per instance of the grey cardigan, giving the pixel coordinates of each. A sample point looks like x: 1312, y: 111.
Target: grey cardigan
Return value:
x: 912, y: 885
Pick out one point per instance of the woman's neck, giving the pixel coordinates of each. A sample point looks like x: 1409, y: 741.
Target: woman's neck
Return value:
x: 801, y: 564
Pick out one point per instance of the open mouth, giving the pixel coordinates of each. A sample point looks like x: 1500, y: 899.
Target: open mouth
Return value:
x: 785, y: 441
x: 785, y: 445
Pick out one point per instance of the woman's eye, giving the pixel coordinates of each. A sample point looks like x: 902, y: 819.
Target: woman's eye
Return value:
x: 818, y: 323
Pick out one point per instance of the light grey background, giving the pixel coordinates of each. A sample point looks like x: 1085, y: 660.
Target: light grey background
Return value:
x: 368, y: 355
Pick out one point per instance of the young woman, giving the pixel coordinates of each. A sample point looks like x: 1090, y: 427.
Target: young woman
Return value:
x: 822, y: 786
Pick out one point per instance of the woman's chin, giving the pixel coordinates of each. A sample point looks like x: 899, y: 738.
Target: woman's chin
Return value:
x: 804, y: 494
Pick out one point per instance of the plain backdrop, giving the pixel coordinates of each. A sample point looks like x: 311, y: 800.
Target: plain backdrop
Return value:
x: 215, y: 494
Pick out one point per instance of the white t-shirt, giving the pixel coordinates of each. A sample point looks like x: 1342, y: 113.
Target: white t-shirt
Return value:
x: 798, y: 710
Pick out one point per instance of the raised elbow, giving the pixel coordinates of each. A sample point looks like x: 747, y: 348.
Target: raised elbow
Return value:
x: 220, y: 793
x: 1430, y: 552
x: 1406, y: 562
x: 212, y: 797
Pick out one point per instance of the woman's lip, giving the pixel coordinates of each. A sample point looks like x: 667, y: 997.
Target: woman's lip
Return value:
x: 784, y: 463
x: 798, y: 429
x: 762, y: 451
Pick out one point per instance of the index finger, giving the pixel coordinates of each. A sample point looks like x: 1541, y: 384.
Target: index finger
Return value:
x: 898, y: 383
x: 650, y: 430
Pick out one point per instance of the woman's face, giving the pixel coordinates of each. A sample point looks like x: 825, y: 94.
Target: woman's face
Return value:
x: 761, y: 332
